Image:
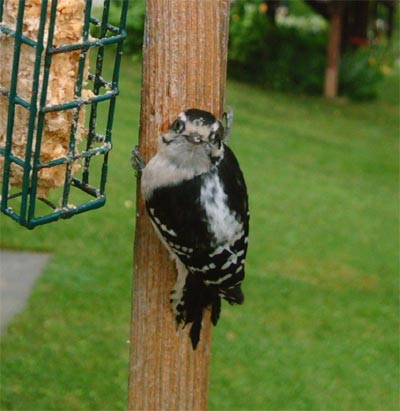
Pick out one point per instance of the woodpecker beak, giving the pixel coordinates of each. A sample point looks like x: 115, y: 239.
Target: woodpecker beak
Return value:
x: 194, y: 138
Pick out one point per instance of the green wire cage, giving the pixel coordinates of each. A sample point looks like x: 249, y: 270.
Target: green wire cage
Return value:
x: 56, y: 126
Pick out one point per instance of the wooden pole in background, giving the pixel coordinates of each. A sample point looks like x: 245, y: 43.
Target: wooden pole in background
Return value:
x: 184, y: 66
x: 335, y: 10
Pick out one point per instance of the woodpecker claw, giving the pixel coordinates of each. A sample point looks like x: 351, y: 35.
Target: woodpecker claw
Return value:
x: 137, y: 160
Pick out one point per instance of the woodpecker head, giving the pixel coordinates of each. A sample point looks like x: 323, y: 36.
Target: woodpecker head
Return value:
x: 195, y: 138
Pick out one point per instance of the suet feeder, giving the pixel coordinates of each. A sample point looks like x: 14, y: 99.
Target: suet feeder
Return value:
x: 56, y: 106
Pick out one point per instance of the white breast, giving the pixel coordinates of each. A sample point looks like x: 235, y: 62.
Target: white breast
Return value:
x: 161, y: 172
x: 222, y: 221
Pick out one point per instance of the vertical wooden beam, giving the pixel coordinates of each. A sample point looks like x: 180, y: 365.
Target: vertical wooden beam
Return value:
x: 184, y: 66
x: 335, y: 10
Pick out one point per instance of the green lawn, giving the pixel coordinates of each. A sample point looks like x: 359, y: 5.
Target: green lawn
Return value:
x: 319, y: 329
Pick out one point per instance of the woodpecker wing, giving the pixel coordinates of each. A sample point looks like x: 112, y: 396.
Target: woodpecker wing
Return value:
x: 203, y: 225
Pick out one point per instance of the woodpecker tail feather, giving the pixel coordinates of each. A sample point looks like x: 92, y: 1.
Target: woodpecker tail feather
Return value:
x: 198, y: 296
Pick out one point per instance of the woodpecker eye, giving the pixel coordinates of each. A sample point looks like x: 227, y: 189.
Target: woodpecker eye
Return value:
x: 178, y: 126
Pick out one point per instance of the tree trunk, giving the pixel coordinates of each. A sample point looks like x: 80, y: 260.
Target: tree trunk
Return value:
x: 333, y: 52
x: 184, y: 66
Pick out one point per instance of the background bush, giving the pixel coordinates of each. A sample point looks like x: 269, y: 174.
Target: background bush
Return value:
x: 291, y: 55
x: 277, y: 57
x: 363, y: 69
x: 134, y: 25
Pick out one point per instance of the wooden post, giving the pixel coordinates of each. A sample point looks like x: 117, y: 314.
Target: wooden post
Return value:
x: 184, y: 66
x: 333, y: 53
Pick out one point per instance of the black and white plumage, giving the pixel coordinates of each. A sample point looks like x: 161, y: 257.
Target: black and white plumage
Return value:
x: 196, y: 197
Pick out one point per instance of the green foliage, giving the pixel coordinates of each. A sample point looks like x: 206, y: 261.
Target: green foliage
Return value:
x: 134, y: 25
x: 274, y: 56
x: 300, y: 8
x: 361, y: 71
x: 318, y: 330
x: 291, y: 55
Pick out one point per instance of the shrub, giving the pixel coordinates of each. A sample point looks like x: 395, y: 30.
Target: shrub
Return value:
x: 282, y: 57
x: 360, y: 72
x: 134, y: 25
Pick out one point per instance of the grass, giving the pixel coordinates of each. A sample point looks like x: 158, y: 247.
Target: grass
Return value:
x: 319, y: 329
